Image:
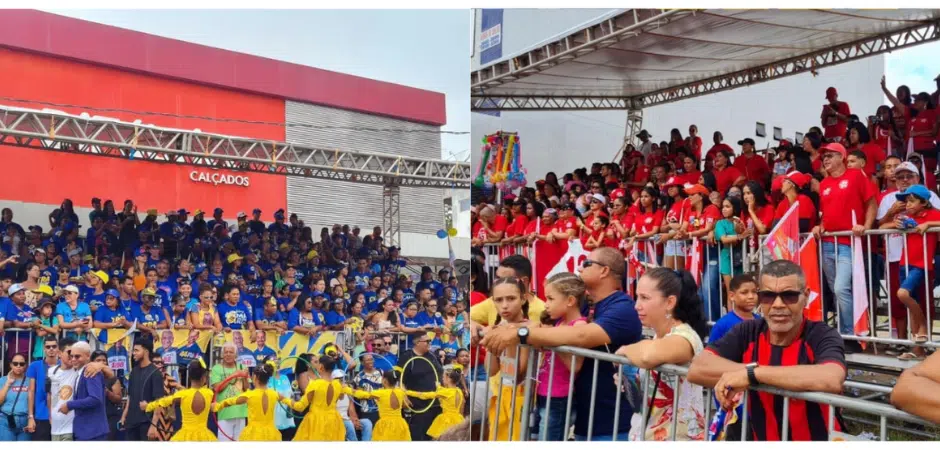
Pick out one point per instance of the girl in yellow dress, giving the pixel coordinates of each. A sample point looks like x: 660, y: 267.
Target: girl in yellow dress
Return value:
x: 506, y: 379
x: 322, y: 422
x: 194, y: 403
x: 261, y: 404
x: 451, y: 397
x: 391, y: 426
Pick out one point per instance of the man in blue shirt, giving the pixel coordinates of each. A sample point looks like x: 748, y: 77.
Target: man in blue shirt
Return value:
x: 428, y: 282
x: 384, y: 360
x: 615, y: 324
x: 235, y: 314
x: 361, y: 274
x: 335, y: 318
x: 149, y: 317
x: 88, y: 400
x: 74, y: 315
x: 433, y: 321
x: 36, y: 374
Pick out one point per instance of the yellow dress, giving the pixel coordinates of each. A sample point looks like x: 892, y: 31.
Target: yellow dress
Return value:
x: 500, y: 423
x: 391, y: 426
x: 194, y: 425
x: 451, y: 400
x: 260, y: 425
x: 322, y: 422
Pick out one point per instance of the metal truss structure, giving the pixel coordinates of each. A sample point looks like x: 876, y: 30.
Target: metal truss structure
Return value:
x: 61, y: 132
x: 635, y: 22
x: 57, y: 131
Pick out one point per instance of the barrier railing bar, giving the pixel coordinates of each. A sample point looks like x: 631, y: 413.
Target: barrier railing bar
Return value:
x: 590, y: 429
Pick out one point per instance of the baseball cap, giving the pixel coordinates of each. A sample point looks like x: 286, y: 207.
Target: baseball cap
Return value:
x: 831, y: 92
x: 242, y: 215
x: 38, y: 250
x: 256, y: 211
x: 279, y: 214
x: 234, y: 257
x: 908, y: 166
x: 338, y: 373
x: 152, y: 212
x: 112, y: 293
x: 198, y: 212
x: 148, y: 292
x: 101, y: 275
x: 182, y: 211
x: 672, y: 181
x: 696, y: 189
x: 71, y: 288
x: 799, y: 178
x: 44, y: 289
x: 833, y: 147
x: 15, y: 288
x: 74, y: 252
x: 171, y: 213
x: 746, y: 141
x: 918, y: 190
x: 217, y: 211
x: 599, y: 198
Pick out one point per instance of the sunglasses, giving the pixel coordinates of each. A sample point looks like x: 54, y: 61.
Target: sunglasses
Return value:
x: 433, y: 305
x: 588, y: 263
x: 17, y: 364
x: 51, y: 347
x: 71, y: 356
x: 788, y: 297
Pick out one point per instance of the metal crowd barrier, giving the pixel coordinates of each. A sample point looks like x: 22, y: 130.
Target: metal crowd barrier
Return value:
x: 883, y: 411
x: 878, y: 282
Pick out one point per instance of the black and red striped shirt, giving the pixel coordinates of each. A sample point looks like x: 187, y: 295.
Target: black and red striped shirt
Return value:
x: 817, y: 343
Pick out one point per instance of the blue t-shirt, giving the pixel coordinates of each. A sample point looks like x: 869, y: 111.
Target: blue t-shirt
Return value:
x: 295, y: 319
x: 437, y: 289
x: 385, y: 362
x: 17, y: 397
x: 38, y: 370
x: 411, y: 323
x: 617, y: 316
x: 107, y: 315
x: 725, y: 324
x: 81, y: 312
x: 187, y: 354
x: 234, y: 317
x: 334, y: 318
x: 148, y: 319
x: 161, y: 300
x: 95, y: 301
x: 179, y: 319
x: 437, y: 320
x: 262, y: 354
x: 360, y: 279
x: 260, y: 316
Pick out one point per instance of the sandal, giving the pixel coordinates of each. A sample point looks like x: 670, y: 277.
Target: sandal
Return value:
x: 909, y: 356
x: 895, y: 350
x: 920, y: 339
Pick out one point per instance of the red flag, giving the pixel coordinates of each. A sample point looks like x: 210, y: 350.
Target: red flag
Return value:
x: 784, y: 240
x: 859, y: 287
x: 809, y: 261
x: 546, y: 257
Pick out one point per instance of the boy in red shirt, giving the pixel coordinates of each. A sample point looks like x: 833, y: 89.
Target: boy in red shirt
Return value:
x: 835, y: 116
x: 920, y: 216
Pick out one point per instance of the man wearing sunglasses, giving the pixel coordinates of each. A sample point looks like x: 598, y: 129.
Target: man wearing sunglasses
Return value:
x: 615, y: 323
x: 38, y: 407
x: 782, y: 349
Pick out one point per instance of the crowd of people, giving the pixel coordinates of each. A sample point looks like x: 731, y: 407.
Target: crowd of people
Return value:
x: 131, y: 274
x: 848, y: 174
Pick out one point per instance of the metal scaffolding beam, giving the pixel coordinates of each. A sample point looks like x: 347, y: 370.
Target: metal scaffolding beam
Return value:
x: 516, y: 68
x: 391, y: 219
x: 100, y: 136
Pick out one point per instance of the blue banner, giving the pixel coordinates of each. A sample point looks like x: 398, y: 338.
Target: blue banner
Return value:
x: 491, y: 36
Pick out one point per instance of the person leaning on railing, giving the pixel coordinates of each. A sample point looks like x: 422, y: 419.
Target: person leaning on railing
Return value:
x: 918, y: 389
x: 781, y: 349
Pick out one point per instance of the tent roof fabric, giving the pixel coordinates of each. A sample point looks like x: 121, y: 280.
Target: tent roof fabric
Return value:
x: 656, y: 56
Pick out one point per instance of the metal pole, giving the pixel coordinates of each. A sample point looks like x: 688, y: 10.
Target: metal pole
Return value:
x: 785, y: 433
x: 544, y: 423
x: 512, y: 400
x: 526, y: 398
x: 620, y: 385
x: 675, y: 409
x: 883, y: 427
x: 593, y: 398
x: 570, y: 398
x: 746, y: 412
x: 486, y: 393
x: 499, y: 400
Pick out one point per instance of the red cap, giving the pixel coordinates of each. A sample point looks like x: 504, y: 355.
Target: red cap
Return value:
x: 831, y: 92
x: 777, y: 184
x: 800, y: 179
x: 785, y: 143
x: 696, y: 189
x: 672, y: 181
x: 833, y: 147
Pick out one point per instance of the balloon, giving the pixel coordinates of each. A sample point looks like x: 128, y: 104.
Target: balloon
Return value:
x: 452, y: 232
x: 442, y: 234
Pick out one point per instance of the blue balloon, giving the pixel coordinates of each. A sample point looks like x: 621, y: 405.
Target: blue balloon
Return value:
x: 442, y: 234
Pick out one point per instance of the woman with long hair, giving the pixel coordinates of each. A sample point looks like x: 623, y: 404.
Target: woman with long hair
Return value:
x: 387, y: 318
x: 451, y: 396
x: 322, y: 422
x: 675, y: 205
x: 390, y: 400
x: 699, y: 223
x: 667, y: 301
x: 194, y: 404
x: 647, y: 221
x: 533, y: 213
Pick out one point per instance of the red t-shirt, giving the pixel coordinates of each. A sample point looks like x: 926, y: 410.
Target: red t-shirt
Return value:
x: 923, y: 122
x: 835, y: 127
x: 915, y: 242
x: 695, y: 146
x: 724, y: 178
x: 517, y: 227
x: 874, y: 155
x: 476, y: 297
x: 807, y: 209
x: 641, y: 174
x: 500, y: 224
x: 816, y: 165
x: 882, y: 137
x: 698, y: 222
x: 753, y: 167
x: 677, y: 212
x: 647, y: 221
x: 564, y: 225
x: 689, y: 178
x: 840, y: 196
x: 764, y: 213
x: 530, y: 227
x: 717, y: 148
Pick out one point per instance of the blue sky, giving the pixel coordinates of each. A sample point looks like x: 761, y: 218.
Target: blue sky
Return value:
x: 916, y: 67
x: 427, y: 49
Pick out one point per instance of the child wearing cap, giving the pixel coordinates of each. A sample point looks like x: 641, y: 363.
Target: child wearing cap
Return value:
x: 46, y: 325
x: 915, y: 263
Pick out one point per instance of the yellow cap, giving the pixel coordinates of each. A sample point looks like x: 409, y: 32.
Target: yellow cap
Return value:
x: 234, y: 257
x: 44, y: 289
x: 101, y: 275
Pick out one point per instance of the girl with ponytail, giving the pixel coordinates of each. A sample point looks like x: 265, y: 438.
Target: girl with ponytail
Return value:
x: 505, y: 376
x: 194, y: 404
x: 452, y: 397
x: 322, y: 422
x: 390, y: 399
x: 667, y: 301
x: 261, y: 403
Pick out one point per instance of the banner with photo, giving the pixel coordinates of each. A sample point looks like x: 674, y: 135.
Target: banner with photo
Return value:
x: 177, y: 348
x: 253, y: 348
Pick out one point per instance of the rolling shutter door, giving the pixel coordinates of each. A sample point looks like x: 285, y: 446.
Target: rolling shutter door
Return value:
x: 325, y: 202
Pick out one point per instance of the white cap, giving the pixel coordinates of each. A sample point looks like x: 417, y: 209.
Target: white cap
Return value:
x: 71, y: 288
x: 599, y: 198
x: 908, y: 166
x: 338, y: 373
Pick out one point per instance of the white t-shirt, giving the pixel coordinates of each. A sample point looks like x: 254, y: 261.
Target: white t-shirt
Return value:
x: 63, y: 382
x: 342, y: 405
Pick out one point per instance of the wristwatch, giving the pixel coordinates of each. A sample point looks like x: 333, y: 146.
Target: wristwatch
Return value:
x: 523, y: 334
x: 750, y: 374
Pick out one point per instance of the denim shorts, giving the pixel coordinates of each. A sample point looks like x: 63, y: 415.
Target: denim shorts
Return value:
x: 912, y: 280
